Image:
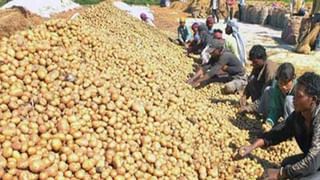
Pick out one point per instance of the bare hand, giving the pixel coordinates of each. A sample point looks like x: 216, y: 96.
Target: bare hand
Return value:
x: 243, y: 101
x: 271, y: 174
x: 245, y: 150
x: 195, y: 84
x: 243, y: 109
x: 225, y: 67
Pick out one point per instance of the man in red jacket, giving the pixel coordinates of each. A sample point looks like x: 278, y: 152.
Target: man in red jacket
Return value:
x: 230, y: 6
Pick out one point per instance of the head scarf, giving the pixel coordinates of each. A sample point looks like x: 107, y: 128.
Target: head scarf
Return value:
x: 239, y: 39
x: 143, y: 16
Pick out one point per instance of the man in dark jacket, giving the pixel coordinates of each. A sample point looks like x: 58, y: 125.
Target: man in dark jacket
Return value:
x: 304, y: 125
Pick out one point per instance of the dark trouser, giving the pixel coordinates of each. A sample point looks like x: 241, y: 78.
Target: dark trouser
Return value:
x: 215, y: 14
x: 232, y: 84
x: 316, y: 18
x: 294, y: 159
x: 195, y: 49
x: 240, y: 12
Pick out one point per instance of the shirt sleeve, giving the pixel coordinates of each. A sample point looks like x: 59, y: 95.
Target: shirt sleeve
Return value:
x: 217, y: 67
x: 234, y: 70
x: 180, y: 35
x: 280, y: 132
x: 205, y: 55
x: 189, y: 36
x: 311, y: 162
x: 275, y: 104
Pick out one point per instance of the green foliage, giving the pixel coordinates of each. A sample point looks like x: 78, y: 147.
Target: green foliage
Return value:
x: 85, y: 2
x: 142, y: 2
x: 2, y: 2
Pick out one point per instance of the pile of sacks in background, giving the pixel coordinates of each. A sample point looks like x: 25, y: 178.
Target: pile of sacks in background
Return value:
x: 278, y: 18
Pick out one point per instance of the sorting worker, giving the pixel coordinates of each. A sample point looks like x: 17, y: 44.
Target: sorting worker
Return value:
x: 203, y: 35
x: 223, y: 66
x: 217, y: 34
x: 232, y: 29
x: 230, y: 6
x: 262, y: 75
x: 184, y: 34
x: 195, y: 43
x: 209, y: 24
x: 297, y: 7
x: 315, y: 11
x: 146, y: 19
x: 281, y: 95
x: 214, y: 5
x: 206, y: 32
x: 241, y: 6
x: 304, y: 125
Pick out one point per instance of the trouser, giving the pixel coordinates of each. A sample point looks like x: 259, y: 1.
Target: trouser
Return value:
x: 229, y: 13
x: 232, y: 84
x: 215, y: 14
x: 240, y: 12
x: 263, y: 107
x: 316, y: 18
x: 180, y: 42
x: 195, y: 48
x: 237, y: 84
x: 296, y: 158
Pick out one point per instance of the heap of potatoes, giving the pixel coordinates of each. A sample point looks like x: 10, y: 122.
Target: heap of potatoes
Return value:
x: 104, y: 97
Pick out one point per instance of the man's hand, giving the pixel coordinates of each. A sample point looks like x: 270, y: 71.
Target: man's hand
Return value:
x: 224, y: 68
x: 195, y: 84
x: 243, y: 101
x: 245, y: 150
x: 271, y: 174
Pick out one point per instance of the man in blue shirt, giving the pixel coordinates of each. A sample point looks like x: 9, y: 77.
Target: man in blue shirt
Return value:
x: 184, y: 34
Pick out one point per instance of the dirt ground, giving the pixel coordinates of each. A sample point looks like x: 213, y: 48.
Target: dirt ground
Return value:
x: 167, y: 19
x: 17, y: 19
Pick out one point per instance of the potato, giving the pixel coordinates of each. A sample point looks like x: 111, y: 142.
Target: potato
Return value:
x: 104, y: 97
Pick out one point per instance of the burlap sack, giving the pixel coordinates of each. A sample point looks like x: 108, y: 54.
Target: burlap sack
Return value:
x: 255, y: 12
x: 308, y: 42
x: 290, y: 32
x: 262, y: 16
x: 304, y: 29
x: 278, y: 18
x: 250, y: 14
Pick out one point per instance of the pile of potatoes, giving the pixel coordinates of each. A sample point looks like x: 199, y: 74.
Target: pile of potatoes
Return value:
x: 104, y: 97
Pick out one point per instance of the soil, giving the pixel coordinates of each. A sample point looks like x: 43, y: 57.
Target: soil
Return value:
x: 167, y: 19
x: 18, y: 18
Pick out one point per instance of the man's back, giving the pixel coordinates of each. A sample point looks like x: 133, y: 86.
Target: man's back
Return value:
x: 228, y: 59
